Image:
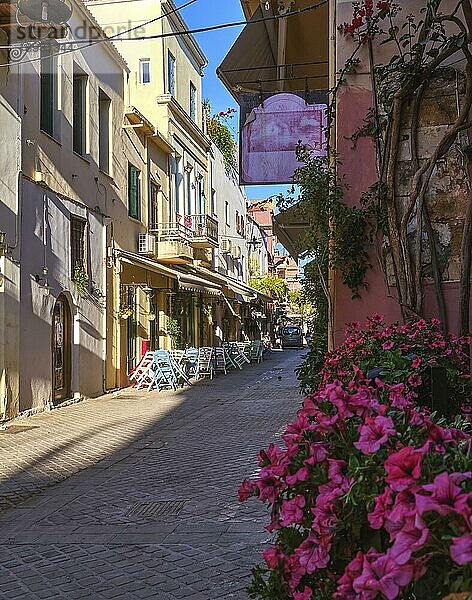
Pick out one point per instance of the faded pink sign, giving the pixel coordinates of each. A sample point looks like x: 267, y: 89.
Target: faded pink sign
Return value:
x: 270, y: 136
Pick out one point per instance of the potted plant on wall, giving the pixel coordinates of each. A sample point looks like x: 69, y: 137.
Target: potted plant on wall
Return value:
x: 173, y: 331
x: 80, y: 277
x: 125, y: 312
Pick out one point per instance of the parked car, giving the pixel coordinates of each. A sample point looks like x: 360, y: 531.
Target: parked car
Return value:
x: 292, y: 337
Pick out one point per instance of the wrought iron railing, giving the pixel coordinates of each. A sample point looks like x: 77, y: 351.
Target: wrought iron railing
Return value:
x: 203, y: 226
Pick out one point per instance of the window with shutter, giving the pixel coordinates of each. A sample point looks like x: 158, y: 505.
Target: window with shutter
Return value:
x: 77, y: 244
x: 133, y: 192
x: 79, y: 112
x: 171, y: 73
x: 193, y: 102
x: 47, y: 90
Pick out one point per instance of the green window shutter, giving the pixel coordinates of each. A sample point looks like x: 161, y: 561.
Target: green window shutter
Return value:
x: 47, y: 94
x: 133, y: 191
x: 78, y: 115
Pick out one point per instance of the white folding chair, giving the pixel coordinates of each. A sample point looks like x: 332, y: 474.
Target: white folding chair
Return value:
x: 204, y: 363
x: 142, y: 367
x: 178, y: 358
x: 219, y: 360
x: 255, y: 352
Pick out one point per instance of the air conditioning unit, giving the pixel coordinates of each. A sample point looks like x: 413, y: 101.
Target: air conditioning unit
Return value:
x: 146, y: 244
x: 236, y: 252
x: 225, y: 246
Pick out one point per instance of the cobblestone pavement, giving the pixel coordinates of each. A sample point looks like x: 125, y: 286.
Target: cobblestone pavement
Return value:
x: 134, y: 494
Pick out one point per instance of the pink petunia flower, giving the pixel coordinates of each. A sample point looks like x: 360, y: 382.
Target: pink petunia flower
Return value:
x: 415, y: 380
x: 403, y: 468
x: 374, y: 434
x: 382, y: 575
x: 461, y: 549
x: 271, y: 557
x: 353, y: 570
x: 291, y: 511
x: 407, y: 541
x: 388, y: 345
x: 301, y: 475
x: 383, y: 504
x: 313, y: 553
x: 305, y: 595
x: 246, y: 490
x: 446, y: 497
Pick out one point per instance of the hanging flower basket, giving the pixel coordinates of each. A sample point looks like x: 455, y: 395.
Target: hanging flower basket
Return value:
x: 151, y: 316
x: 125, y: 313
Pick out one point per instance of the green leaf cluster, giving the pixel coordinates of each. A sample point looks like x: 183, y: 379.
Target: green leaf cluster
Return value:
x: 271, y: 285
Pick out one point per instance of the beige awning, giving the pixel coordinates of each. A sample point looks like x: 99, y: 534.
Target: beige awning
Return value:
x: 186, y: 281
x: 290, y: 229
x: 137, y: 260
x: 255, y: 47
x: 254, y: 61
x: 198, y: 284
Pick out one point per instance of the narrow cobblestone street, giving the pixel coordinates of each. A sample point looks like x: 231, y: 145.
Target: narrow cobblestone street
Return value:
x: 134, y: 494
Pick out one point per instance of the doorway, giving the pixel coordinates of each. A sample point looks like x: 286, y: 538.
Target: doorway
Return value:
x: 61, y: 349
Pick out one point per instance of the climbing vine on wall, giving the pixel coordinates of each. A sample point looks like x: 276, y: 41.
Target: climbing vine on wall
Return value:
x: 431, y: 51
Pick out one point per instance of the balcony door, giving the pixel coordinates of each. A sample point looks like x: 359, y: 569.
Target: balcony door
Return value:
x: 61, y: 349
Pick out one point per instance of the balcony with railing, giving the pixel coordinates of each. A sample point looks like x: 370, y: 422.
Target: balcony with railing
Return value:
x: 205, y: 230
x: 173, y: 242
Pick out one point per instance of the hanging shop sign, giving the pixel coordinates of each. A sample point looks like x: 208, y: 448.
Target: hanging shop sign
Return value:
x: 272, y: 127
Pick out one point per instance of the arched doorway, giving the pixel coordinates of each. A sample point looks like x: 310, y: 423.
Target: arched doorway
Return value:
x: 61, y: 349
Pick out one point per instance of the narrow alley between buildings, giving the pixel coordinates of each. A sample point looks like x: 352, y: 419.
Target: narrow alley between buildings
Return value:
x: 134, y: 494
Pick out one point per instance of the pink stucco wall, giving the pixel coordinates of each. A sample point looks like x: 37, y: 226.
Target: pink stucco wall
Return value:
x: 359, y: 170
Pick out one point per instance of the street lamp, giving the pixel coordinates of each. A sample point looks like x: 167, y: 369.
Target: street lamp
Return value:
x: 46, y: 11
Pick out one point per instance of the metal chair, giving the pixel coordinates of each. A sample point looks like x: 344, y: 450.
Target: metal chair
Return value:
x: 191, y: 358
x: 164, y: 375
x: 235, y: 355
x: 178, y: 358
x: 219, y: 361
x: 255, y: 351
x: 204, y: 363
x: 142, y: 366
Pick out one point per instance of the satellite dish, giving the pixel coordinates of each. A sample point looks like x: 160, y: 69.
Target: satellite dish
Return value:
x: 46, y: 11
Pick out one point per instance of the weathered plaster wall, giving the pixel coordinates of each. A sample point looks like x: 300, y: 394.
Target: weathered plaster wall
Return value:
x: 447, y: 196
x: 10, y: 128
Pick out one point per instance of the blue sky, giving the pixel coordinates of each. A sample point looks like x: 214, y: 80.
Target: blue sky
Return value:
x: 215, y: 45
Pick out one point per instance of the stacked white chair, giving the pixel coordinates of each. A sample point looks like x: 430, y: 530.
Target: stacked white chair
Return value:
x: 204, y: 363
x: 219, y: 360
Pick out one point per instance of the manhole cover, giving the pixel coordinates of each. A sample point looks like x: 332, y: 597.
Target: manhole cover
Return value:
x: 163, y: 508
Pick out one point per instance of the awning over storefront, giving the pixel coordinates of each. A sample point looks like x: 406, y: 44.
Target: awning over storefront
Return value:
x: 194, y: 283
x: 186, y: 281
x: 255, y: 47
x: 290, y: 229
x: 138, y: 275
x: 282, y: 55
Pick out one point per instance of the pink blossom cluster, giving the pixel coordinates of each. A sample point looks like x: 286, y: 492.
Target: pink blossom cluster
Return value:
x: 360, y: 456
x: 424, y: 341
x: 365, y: 13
